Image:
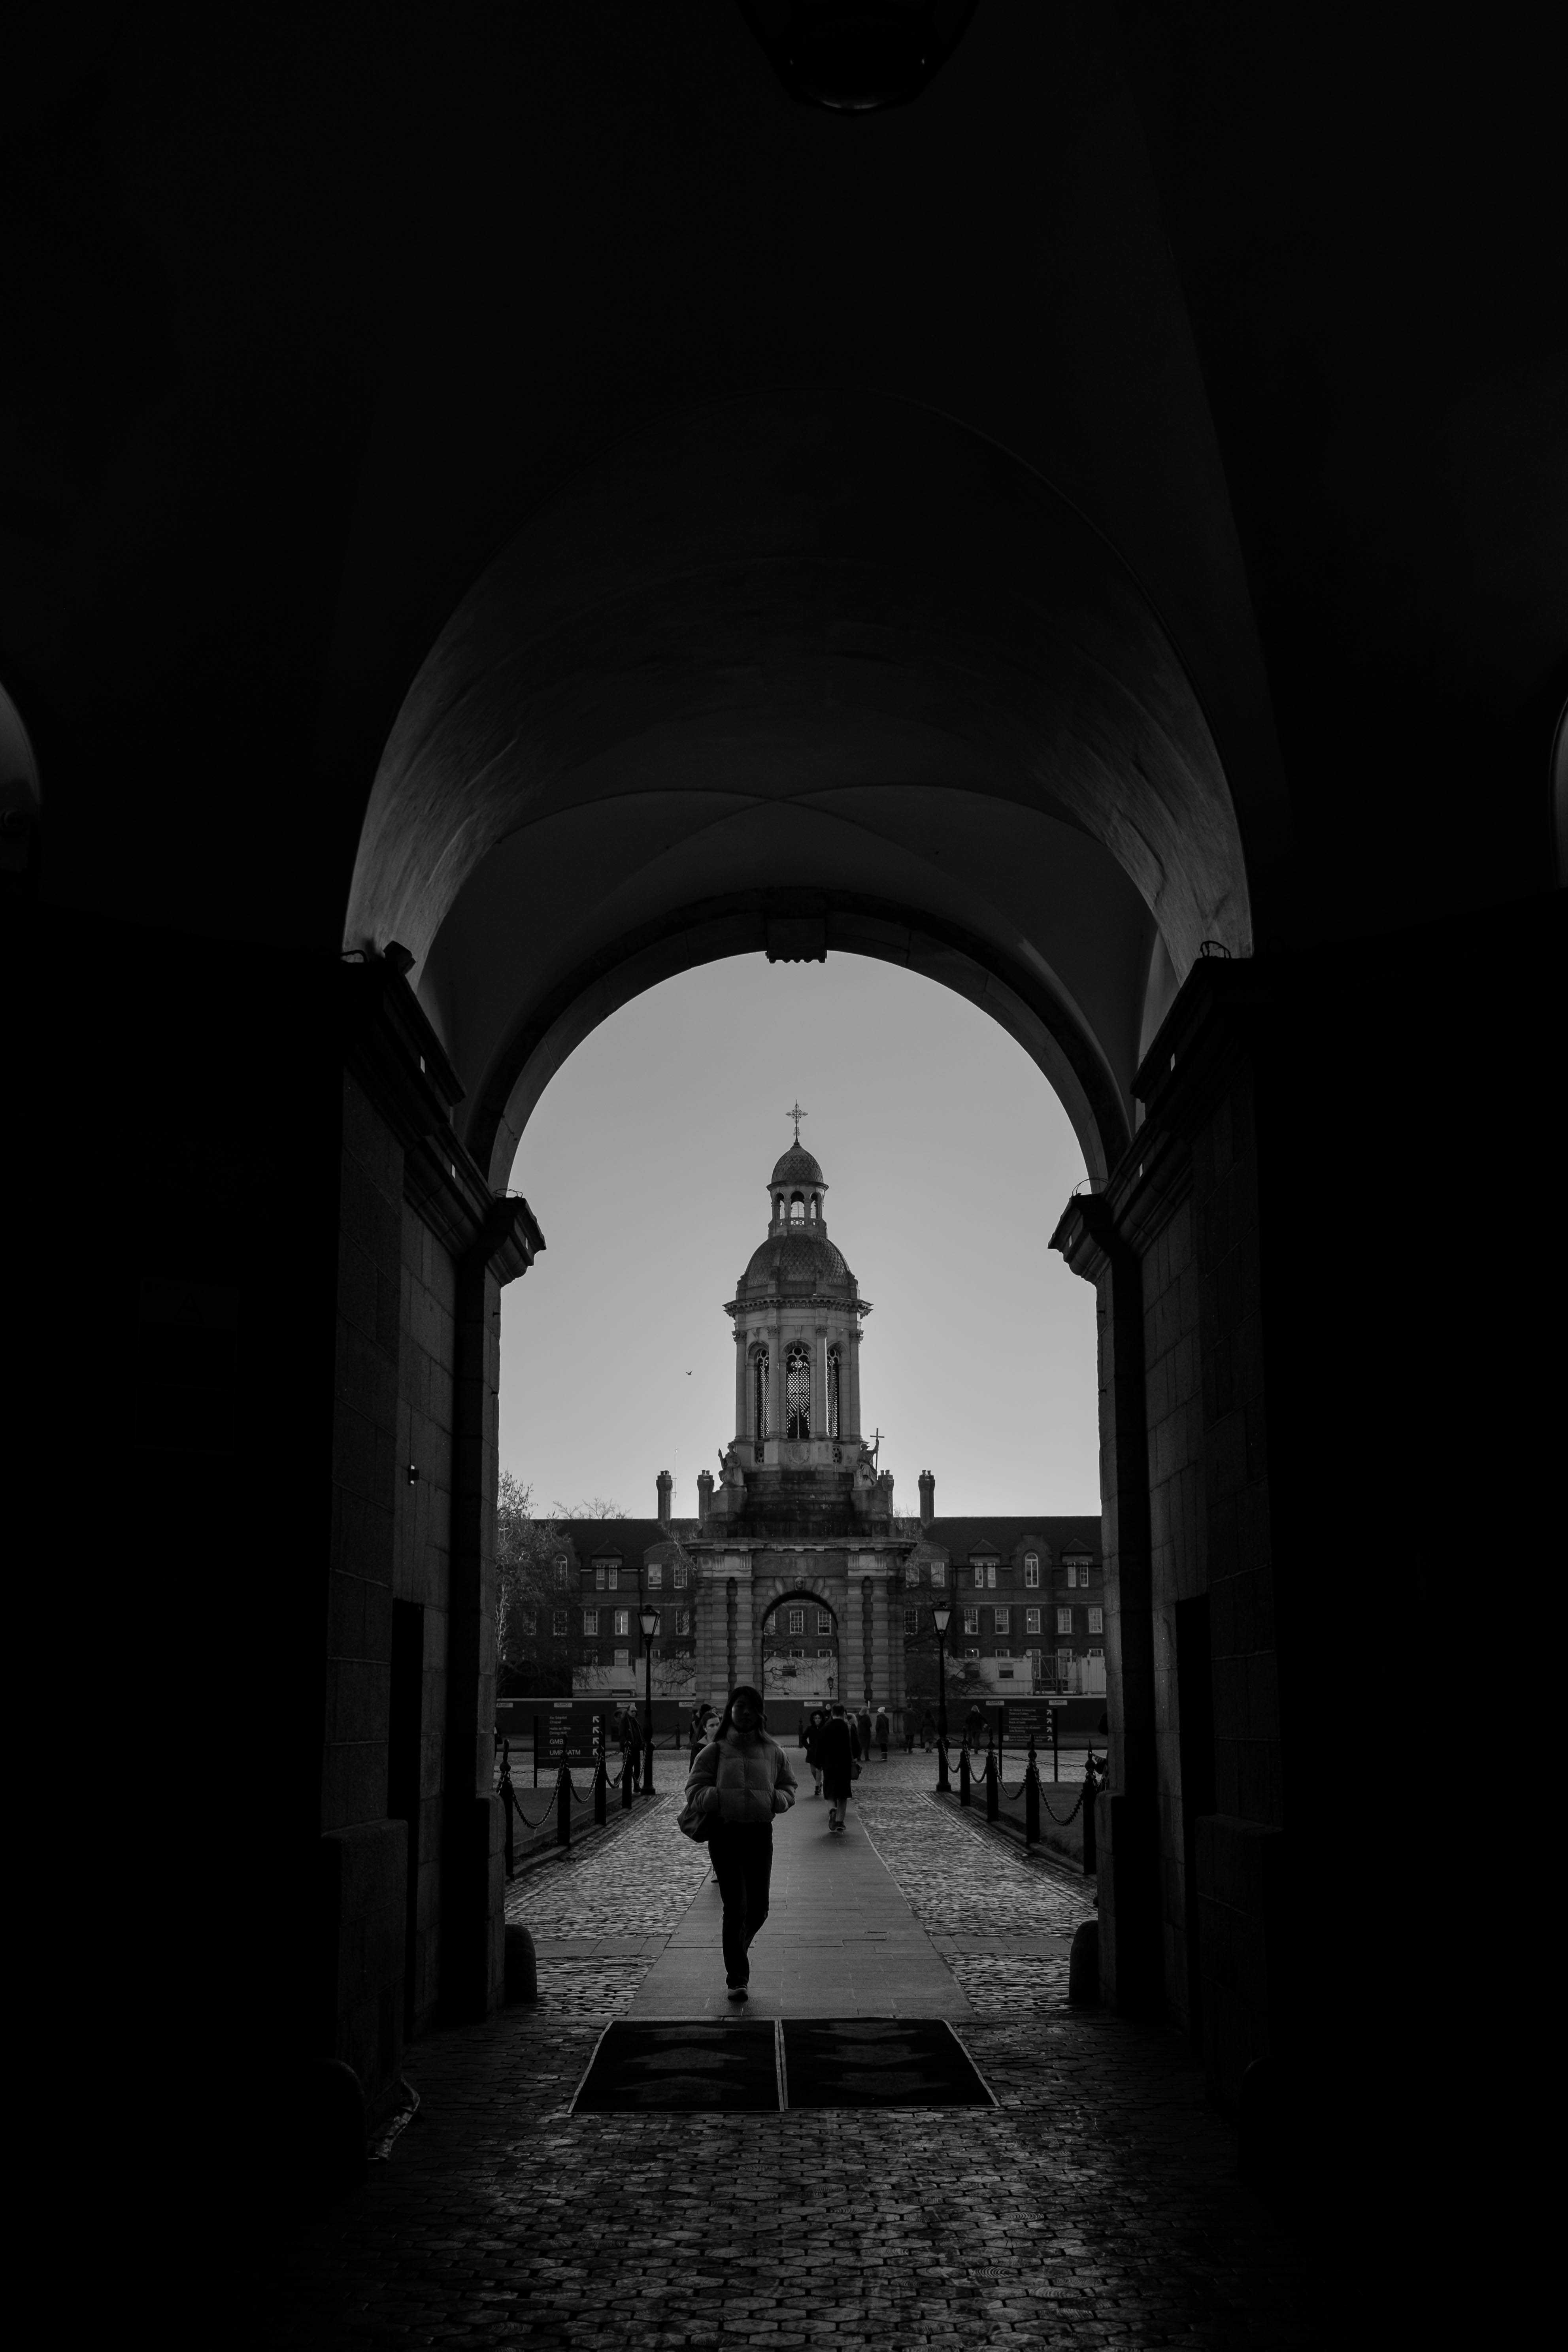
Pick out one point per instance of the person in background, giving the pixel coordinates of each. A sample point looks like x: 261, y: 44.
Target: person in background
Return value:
x: 863, y: 1726
x: 841, y: 1750
x: 741, y: 1780
x: 631, y: 1748
x: 909, y: 1731
x: 928, y: 1730
x: 814, y: 1750
x: 883, y: 1726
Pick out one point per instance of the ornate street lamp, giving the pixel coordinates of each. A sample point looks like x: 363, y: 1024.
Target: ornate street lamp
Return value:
x: 856, y: 56
x: 941, y: 1617
x: 648, y: 1618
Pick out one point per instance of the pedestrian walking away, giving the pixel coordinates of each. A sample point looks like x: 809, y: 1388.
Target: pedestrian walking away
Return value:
x: 814, y: 1749
x: 863, y: 1727
x: 739, y: 1782
x: 840, y: 1749
x: 883, y: 1728
x: 631, y: 1747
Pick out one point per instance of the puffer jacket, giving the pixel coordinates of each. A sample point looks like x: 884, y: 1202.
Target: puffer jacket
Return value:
x: 742, y: 1781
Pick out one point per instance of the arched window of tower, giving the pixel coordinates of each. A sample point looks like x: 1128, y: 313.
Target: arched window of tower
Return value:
x: 797, y: 1209
x: 759, y: 1395
x: 797, y: 1392
x: 833, y: 1393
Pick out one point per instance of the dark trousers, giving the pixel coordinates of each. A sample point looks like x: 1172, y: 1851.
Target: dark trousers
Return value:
x: 743, y: 1864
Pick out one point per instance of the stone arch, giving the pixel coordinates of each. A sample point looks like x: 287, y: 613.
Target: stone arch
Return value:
x: 732, y: 689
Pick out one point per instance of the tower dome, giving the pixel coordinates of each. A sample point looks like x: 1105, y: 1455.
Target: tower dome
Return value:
x: 796, y: 1166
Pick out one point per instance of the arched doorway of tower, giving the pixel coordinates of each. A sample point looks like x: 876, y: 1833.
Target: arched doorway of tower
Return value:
x: 802, y: 1664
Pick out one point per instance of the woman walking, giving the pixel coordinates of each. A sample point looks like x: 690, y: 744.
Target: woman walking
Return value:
x: 740, y: 1781
x: 840, y: 1749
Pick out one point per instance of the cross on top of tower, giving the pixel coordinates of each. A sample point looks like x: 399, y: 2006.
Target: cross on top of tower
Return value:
x: 796, y: 1113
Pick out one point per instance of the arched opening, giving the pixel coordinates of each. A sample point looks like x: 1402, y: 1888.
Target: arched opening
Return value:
x: 800, y: 1655
x: 720, y: 698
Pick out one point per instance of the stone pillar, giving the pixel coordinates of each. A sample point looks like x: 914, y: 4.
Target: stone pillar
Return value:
x: 743, y: 1403
x: 473, y: 1890
x: 852, y: 1370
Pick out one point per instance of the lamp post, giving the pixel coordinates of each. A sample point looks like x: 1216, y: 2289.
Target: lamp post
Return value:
x: 648, y: 1618
x: 941, y: 1616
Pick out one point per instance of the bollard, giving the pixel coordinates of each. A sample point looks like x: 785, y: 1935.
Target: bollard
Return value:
x: 1090, y: 1860
x: 963, y: 1796
x: 1032, y: 1799
x: 992, y: 1783
x: 564, y: 1808
x: 601, y: 1788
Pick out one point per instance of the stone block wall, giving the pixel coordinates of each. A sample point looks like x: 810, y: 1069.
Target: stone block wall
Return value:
x: 427, y: 1355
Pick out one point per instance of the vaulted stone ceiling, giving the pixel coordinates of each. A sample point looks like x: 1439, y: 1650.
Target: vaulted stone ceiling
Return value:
x: 513, y: 480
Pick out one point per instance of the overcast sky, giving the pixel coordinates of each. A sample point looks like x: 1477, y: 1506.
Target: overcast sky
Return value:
x: 948, y: 1160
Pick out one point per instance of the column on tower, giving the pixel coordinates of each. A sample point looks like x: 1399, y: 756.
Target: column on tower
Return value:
x: 850, y: 1407
x: 740, y: 1415
x: 776, y: 1383
x: 819, y: 1416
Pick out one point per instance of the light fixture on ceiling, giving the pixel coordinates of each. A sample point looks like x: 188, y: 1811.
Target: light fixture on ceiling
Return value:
x: 856, y: 57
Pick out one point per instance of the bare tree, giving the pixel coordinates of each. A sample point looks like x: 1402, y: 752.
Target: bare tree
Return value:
x: 531, y: 1657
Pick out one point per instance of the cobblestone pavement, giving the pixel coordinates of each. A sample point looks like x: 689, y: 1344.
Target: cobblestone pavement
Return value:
x: 1097, y: 2205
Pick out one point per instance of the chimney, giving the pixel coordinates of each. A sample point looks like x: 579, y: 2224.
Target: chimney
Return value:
x: 666, y: 1488
x: 704, y: 1496
x: 928, y: 1499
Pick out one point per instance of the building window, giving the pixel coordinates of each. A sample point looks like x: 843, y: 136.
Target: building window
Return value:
x: 984, y: 1575
x: 1064, y: 1621
x: 1031, y: 1621
x: 679, y: 1578
x: 911, y: 1621
x: 797, y: 1620
x: 833, y: 1393
x: 797, y: 1653
x: 1096, y: 1621
x: 1000, y: 1621
x: 972, y: 1654
x: 825, y: 1621
x: 1031, y: 1569
x: 655, y: 1575
x: 759, y: 1395
x: 529, y: 1621
x: 562, y: 1576
x: 938, y: 1574
x: 558, y: 1623
x: 683, y: 1621
x: 590, y: 1620
x: 622, y: 1657
x: 623, y: 1621
x: 972, y: 1621
x: 1002, y: 1653
x: 606, y: 1575
x: 1033, y: 1658
x: 797, y: 1392
x: 1077, y: 1572
x: 1064, y: 1665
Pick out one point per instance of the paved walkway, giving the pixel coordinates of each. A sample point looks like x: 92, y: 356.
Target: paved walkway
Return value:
x: 840, y: 1940
x: 1097, y: 2206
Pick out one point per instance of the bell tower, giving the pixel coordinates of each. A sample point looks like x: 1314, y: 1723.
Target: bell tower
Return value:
x: 797, y: 1451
